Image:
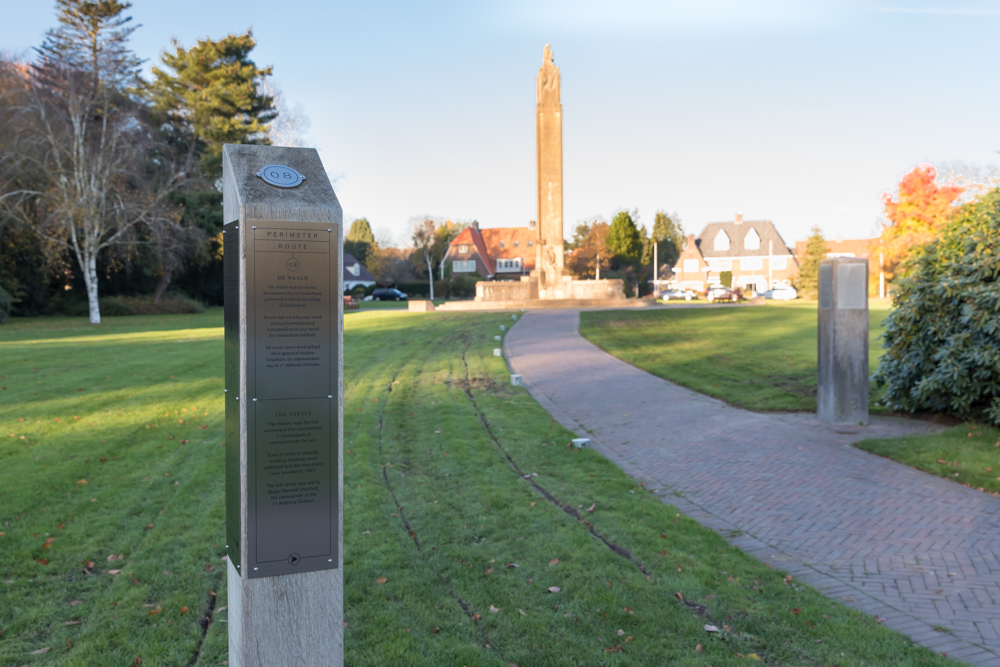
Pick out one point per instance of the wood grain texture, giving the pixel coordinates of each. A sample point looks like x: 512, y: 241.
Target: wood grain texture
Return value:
x: 294, y: 619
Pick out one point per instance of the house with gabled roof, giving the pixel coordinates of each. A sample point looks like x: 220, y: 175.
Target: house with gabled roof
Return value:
x: 355, y: 273
x: 497, y: 253
x: 752, y: 250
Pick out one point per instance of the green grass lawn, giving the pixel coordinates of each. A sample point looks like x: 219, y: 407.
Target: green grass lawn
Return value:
x: 473, y: 534
x: 968, y: 454
x: 761, y: 358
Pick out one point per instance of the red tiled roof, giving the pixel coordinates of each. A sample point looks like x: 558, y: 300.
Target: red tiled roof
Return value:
x: 515, y: 242
x: 472, y: 236
x: 842, y: 247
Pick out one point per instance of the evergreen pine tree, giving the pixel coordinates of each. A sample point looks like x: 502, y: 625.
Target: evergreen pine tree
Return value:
x: 808, y: 280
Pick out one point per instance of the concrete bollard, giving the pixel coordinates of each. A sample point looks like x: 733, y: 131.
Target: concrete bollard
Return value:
x: 503, y: 328
x: 515, y: 379
x: 580, y: 443
x: 497, y: 352
x: 498, y: 338
x: 514, y: 317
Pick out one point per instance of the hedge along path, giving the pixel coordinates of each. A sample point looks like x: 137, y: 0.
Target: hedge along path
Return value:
x: 438, y: 503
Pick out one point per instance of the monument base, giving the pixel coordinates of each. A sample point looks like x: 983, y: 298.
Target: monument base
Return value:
x: 566, y: 289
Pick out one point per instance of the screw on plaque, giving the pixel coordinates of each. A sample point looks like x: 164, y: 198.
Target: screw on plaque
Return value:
x: 293, y: 559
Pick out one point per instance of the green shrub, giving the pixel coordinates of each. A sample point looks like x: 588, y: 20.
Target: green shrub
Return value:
x: 942, y: 339
x: 726, y: 278
x: 173, y: 304
x: 71, y: 303
x: 113, y: 306
x: 6, y: 303
x: 463, y: 285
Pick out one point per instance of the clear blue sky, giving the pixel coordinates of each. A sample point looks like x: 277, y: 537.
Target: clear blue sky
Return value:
x: 793, y: 110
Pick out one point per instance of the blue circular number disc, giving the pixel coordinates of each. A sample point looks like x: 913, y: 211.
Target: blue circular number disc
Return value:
x: 281, y: 176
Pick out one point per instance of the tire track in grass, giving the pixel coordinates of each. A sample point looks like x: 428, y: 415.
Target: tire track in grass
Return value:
x: 568, y: 509
x: 464, y: 604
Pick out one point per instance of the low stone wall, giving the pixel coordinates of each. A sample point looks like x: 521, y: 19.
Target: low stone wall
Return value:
x: 597, y: 289
x: 506, y: 290
x: 527, y: 290
x: 421, y: 306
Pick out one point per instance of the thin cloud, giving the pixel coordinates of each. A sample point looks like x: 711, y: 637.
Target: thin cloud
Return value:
x: 939, y: 11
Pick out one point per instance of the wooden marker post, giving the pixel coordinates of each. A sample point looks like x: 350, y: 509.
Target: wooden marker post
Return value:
x: 283, y: 250
x: 842, y: 346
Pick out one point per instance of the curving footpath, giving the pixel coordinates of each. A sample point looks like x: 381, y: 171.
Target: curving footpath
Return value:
x: 920, y: 552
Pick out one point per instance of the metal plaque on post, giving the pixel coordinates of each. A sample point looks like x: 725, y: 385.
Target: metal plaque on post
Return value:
x: 284, y: 409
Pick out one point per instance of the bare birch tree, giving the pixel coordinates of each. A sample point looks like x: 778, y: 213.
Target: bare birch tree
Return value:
x: 89, y: 139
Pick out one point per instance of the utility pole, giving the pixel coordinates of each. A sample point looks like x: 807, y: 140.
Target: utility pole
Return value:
x: 656, y: 264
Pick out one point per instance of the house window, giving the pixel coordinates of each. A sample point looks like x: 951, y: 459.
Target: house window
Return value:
x: 501, y: 244
x: 530, y: 243
x: 463, y: 249
x: 779, y: 263
x: 752, y: 240
x: 751, y: 263
x: 463, y: 266
x: 515, y: 243
x: 722, y: 241
x: 691, y: 266
x: 721, y: 264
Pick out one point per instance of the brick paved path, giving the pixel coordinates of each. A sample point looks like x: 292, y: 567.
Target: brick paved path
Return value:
x: 916, y: 550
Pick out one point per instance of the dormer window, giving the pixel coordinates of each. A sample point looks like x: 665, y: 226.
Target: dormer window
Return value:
x: 752, y: 240
x: 463, y: 249
x: 355, y: 270
x: 722, y: 241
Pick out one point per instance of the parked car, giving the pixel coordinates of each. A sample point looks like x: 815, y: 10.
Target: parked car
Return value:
x: 388, y: 294
x: 783, y: 293
x: 677, y: 294
x: 721, y: 293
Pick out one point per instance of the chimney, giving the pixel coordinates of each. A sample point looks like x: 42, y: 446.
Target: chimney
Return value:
x: 532, y: 224
x: 739, y: 218
x: 474, y: 224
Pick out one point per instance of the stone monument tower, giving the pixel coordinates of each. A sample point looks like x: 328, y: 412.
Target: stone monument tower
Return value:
x: 548, y: 149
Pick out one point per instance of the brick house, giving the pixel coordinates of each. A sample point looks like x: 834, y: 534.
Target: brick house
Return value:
x: 841, y: 248
x: 752, y: 250
x: 495, y: 254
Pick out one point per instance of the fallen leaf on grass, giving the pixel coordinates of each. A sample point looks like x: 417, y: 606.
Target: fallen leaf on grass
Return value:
x: 381, y: 580
x: 69, y: 644
x: 493, y: 609
x: 788, y: 579
x: 796, y: 610
x: 698, y: 649
x: 754, y: 656
x: 71, y: 622
x: 628, y: 610
x: 711, y: 628
x: 41, y: 651
x: 209, y: 568
x: 513, y: 565
x: 154, y: 612
x: 113, y: 572
x: 138, y: 660
x: 679, y: 596
x: 42, y: 561
x: 554, y: 589
x: 591, y: 508
x: 114, y: 557
x: 75, y: 602
x: 82, y: 481
x: 879, y: 619
x: 184, y: 610
x: 553, y: 562
x: 617, y: 648
x: 620, y: 632
x: 521, y: 612
x: 436, y: 630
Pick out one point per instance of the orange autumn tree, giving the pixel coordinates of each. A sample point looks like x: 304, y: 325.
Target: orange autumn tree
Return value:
x: 915, y: 214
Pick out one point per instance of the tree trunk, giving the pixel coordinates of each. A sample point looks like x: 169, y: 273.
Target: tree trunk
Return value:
x: 161, y: 287
x: 430, y: 276
x: 90, y: 279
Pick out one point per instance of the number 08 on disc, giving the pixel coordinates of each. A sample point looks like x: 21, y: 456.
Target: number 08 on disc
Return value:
x: 281, y: 176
